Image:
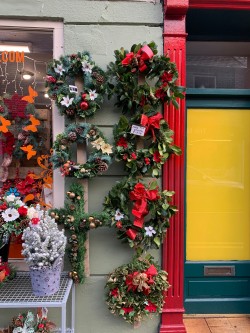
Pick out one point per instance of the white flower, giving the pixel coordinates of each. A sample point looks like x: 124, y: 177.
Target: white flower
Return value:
x: 106, y: 148
x: 67, y: 101
x: 10, y: 214
x: 150, y: 231
x: 118, y: 215
x: 32, y: 212
x: 11, y: 198
x: 98, y: 143
x: 19, y: 203
x: 92, y: 95
x: 59, y: 69
x: 86, y: 66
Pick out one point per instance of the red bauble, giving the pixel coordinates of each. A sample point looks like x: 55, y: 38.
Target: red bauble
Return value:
x: 84, y: 105
x: 84, y: 96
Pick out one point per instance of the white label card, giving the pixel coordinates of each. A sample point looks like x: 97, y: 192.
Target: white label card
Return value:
x: 138, y: 130
x: 73, y: 89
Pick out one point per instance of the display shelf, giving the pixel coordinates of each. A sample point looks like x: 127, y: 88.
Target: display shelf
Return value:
x: 17, y: 293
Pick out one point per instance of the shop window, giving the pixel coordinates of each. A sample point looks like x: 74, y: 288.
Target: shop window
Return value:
x: 26, y: 117
x: 223, y: 65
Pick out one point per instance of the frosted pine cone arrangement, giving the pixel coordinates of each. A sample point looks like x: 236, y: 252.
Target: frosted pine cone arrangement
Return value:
x: 43, y: 243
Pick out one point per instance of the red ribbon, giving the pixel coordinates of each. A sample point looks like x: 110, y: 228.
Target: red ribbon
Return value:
x: 140, y: 195
x: 151, y: 123
x: 145, y: 53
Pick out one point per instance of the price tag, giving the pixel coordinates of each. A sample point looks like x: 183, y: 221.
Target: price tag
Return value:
x: 138, y: 130
x: 73, y: 89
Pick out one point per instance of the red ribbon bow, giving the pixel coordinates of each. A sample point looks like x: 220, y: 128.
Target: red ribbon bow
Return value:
x: 140, y: 195
x: 151, y: 123
x: 145, y: 53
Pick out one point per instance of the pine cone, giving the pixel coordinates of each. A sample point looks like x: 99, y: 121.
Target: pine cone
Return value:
x: 102, y: 166
x: 64, y: 141
x: 72, y: 136
x: 92, y: 132
x: 79, y: 130
x: 99, y: 78
x: 23, y: 224
x: 70, y: 112
x: 22, y: 136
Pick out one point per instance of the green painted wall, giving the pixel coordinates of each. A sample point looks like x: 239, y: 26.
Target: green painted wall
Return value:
x: 99, y: 27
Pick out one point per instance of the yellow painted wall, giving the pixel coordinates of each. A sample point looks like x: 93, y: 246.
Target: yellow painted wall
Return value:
x: 218, y: 184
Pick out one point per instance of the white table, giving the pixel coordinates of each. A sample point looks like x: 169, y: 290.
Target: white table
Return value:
x: 17, y: 293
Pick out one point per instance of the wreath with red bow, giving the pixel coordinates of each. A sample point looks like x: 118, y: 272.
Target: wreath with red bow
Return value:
x: 135, y: 290
x: 139, y: 212
x: 143, y: 80
x: 60, y: 81
x: 150, y: 131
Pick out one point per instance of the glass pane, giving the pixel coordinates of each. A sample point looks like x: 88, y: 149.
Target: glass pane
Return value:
x: 218, y: 65
x: 218, y: 185
x: 25, y: 111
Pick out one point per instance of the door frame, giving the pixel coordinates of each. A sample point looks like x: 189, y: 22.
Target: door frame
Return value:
x: 214, y: 99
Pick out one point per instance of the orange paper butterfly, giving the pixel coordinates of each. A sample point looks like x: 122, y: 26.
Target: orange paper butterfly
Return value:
x: 5, y: 123
x: 34, y: 122
x: 29, y: 150
x: 31, y: 97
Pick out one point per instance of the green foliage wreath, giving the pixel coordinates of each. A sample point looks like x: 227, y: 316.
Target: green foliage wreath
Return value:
x: 98, y: 160
x: 140, y: 213
x: 60, y: 80
x: 157, y: 144
x: 143, y: 80
x: 136, y: 290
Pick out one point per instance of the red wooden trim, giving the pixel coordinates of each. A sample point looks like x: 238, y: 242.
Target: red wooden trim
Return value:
x: 173, y: 172
x: 220, y: 4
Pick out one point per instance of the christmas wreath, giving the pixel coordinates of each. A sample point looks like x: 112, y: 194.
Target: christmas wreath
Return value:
x: 78, y: 222
x: 98, y: 160
x: 143, y: 80
x: 60, y: 80
x: 136, y: 290
x: 154, y: 133
x: 150, y: 208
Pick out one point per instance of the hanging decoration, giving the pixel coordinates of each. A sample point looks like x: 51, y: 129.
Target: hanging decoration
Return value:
x: 7, y: 272
x: 136, y: 290
x: 61, y: 82
x: 143, y: 80
x: 153, y: 134
x: 98, y: 160
x: 140, y: 212
x: 78, y: 222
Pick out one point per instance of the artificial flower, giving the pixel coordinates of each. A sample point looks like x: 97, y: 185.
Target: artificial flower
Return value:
x: 22, y: 210
x: 98, y: 143
x: 151, y: 307
x: 59, y: 69
x: 150, y: 231
x: 114, y: 292
x: 119, y: 225
x: 133, y: 156
x: 106, y: 148
x: 122, y: 142
x: 128, y: 309
x: 166, y: 77
x: 118, y: 215
x: 32, y: 212
x: 67, y: 101
x: 10, y: 214
x: 87, y: 67
x: 92, y: 95
x: 157, y: 157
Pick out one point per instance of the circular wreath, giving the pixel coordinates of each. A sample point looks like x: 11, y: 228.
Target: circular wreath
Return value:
x: 157, y: 139
x: 140, y: 213
x: 60, y: 80
x: 136, y: 290
x: 98, y: 160
x: 141, y: 79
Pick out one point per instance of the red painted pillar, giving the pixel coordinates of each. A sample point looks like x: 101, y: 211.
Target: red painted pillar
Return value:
x: 173, y: 171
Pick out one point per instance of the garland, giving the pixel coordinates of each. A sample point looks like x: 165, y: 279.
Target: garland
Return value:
x: 98, y: 160
x: 74, y: 218
x: 136, y: 290
x: 142, y: 64
x: 156, y: 136
x: 60, y: 82
x: 150, y: 208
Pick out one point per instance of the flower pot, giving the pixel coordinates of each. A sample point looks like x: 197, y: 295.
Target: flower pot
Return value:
x: 46, y: 281
x: 4, y: 252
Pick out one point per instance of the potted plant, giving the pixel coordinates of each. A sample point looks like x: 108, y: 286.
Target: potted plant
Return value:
x: 43, y: 249
x: 13, y: 220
